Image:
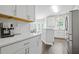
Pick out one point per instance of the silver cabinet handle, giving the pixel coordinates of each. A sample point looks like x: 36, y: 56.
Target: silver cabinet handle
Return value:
x: 66, y: 23
x: 27, y: 51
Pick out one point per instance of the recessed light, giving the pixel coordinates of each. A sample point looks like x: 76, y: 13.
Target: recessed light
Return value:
x: 55, y: 9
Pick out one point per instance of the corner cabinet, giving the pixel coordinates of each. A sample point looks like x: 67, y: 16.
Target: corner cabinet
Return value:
x: 27, y: 46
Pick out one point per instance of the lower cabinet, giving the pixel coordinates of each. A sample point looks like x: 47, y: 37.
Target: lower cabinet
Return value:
x: 35, y: 45
x: 28, y: 46
x: 20, y: 51
x: 16, y: 48
x: 39, y: 44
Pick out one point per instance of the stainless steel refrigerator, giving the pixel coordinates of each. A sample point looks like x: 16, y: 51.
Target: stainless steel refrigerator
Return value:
x: 68, y: 26
x: 72, y: 31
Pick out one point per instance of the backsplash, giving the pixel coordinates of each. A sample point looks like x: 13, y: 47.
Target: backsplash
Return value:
x: 22, y: 27
x: 19, y: 27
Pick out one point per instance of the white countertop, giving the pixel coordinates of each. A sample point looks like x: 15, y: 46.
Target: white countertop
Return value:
x: 16, y: 38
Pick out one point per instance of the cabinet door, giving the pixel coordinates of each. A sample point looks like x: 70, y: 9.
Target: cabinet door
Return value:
x: 27, y: 47
x: 21, y: 11
x: 31, y: 12
x: 11, y: 49
x: 15, y: 48
x: 7, y: 9
x: 39, y: 44
x: 20, y: 51
x: 25, y: 11
x: 35, y: 45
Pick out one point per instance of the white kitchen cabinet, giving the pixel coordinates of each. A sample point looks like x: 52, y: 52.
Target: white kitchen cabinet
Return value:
x: 27, y: 46
x: 24, y: 50
x: 7, y: 9
x: 36, y: 44
x: 39, y: 44
x: 25, y: 11
x: 21, y: 11
x: 20, y: 51
x: 31, y: 12
x: 19, y: 47
x: 33, y: 46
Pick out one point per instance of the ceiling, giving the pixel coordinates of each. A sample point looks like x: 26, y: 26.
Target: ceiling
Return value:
x: 42, y: 11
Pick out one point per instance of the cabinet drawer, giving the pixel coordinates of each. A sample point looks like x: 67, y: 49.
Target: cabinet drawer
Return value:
x: 10, y: 49
x: 24, y: 50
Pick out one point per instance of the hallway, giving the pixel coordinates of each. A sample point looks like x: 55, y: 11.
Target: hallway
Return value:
x: 57, y: 48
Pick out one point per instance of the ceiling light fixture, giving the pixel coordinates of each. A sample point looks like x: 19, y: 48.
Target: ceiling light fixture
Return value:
x: 55, y: 9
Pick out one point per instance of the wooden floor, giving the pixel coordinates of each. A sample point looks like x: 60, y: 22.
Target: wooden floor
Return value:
x: 57, y: 48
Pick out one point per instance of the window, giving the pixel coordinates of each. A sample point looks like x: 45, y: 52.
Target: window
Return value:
x: 61, y: 23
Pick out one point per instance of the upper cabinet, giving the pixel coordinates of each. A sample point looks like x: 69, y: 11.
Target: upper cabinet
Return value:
x: 25, y: 11
x: 7, y: 9
x: 31, y: 12
x: 21, y: 11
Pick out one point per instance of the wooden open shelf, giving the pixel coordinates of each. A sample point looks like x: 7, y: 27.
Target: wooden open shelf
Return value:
x: 15, y: 18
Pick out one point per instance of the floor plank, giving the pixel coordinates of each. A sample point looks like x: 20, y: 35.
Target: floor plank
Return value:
x: 57, y: 48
